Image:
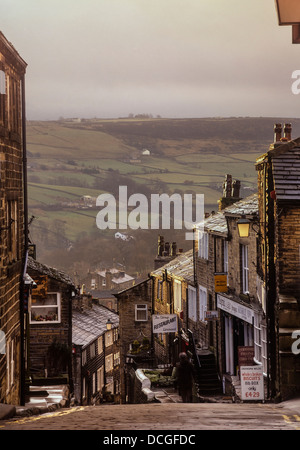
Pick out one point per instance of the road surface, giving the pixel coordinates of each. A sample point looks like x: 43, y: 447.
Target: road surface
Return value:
x: 155, y: 416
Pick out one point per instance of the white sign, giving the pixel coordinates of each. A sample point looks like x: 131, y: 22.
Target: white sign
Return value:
x: 211, y: 315
x: 235, y: 309
x: 252, y: 382
x: 166, y: 323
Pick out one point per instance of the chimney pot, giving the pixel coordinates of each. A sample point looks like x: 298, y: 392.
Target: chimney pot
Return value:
x: 277, y: 132
x: 288, y: 131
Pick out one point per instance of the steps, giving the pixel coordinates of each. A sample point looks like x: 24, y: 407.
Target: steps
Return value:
x: 208, y: 379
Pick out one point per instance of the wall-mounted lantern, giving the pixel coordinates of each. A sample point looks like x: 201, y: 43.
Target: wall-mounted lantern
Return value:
x: 108, y: 325
x: 243, y: 227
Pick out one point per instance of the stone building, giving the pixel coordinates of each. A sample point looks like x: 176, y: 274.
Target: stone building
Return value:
x: 174, y: 293
x: 13, y: 222
x: 50, y: 321
x: 135, y: 308
x: 95, y: 352
x: 279, y: 266
x: 225, y: 266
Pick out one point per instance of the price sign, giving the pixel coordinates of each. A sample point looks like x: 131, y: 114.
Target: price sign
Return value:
x: 252, y: 382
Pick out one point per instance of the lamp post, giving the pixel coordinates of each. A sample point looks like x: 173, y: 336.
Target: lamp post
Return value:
x: 288, y: 12
x: 108, y: 324
x: 243, y: 227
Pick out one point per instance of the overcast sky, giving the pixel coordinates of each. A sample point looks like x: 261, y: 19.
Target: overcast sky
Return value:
x: 174, y: 58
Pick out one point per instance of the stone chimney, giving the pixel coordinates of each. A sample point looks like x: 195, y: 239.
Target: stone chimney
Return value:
x: 165, y: 253
x: 231, y: 192
x: 277, y: 132
x: 287, y: 130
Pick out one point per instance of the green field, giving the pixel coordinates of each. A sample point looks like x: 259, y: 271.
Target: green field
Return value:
x: 68, y: 160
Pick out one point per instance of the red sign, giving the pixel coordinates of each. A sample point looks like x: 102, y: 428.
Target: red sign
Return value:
x: 246, y: 355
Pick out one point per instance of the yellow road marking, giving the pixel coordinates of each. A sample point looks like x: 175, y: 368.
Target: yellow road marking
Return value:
x: 47, y: 415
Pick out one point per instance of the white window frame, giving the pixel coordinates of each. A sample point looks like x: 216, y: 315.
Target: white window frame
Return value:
x: 109, y: 363
x: 202, y: 303
x: 203, y: 244
x: 140, y: 308
x: 192, y: 303
x: 109, y: 340
x: 116, y: 359
x: 57, y: 305
x: 245, y: 269
x: 100, y: 345
x: 225, y: 247
x: 177, y: 296
x: 257, y: 338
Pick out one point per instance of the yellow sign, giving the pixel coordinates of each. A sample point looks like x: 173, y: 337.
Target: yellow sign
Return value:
x: 41, y: 289
x: 221, y: 282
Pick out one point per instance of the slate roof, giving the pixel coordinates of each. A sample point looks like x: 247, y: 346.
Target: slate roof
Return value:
x: 51, y: 272
x: 90, y: 323
x: 248, y: 206
x: 286, y: 173
x: 182, y: 266
x: 217, y: 224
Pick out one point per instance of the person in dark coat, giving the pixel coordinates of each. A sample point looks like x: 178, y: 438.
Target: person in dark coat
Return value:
x: 185, y: 378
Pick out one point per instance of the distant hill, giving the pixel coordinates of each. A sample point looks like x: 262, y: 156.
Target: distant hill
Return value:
x: 71, y: 160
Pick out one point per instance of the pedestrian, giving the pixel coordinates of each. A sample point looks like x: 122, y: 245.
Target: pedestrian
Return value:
x: 185, y: 378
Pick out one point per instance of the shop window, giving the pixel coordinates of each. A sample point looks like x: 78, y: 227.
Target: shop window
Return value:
x: 141, y: 313
x: 46, y: 309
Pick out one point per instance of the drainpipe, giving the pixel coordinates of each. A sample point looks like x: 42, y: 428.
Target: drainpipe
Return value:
x: 25, y: 255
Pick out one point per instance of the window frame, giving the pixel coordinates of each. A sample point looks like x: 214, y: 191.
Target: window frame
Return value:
x: 57, y: 305
x: 140, y: 307
x: 203, y: 241
x: 202, y: 303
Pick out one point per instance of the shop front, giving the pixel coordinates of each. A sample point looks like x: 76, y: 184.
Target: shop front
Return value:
x: 237, y: 327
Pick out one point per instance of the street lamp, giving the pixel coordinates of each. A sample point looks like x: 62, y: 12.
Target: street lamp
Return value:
x: 288, y: 12
x: 243, y: 227
x: 108, y: 325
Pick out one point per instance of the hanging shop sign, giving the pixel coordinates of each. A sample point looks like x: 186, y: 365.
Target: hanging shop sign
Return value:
x: 252, y: 382
x: 235, y: 309
x: 221, y: 282
x: 166, y: 323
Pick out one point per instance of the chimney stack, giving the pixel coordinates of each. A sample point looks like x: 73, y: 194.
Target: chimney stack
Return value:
x: 288, y: 131
x: 277, y: 132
